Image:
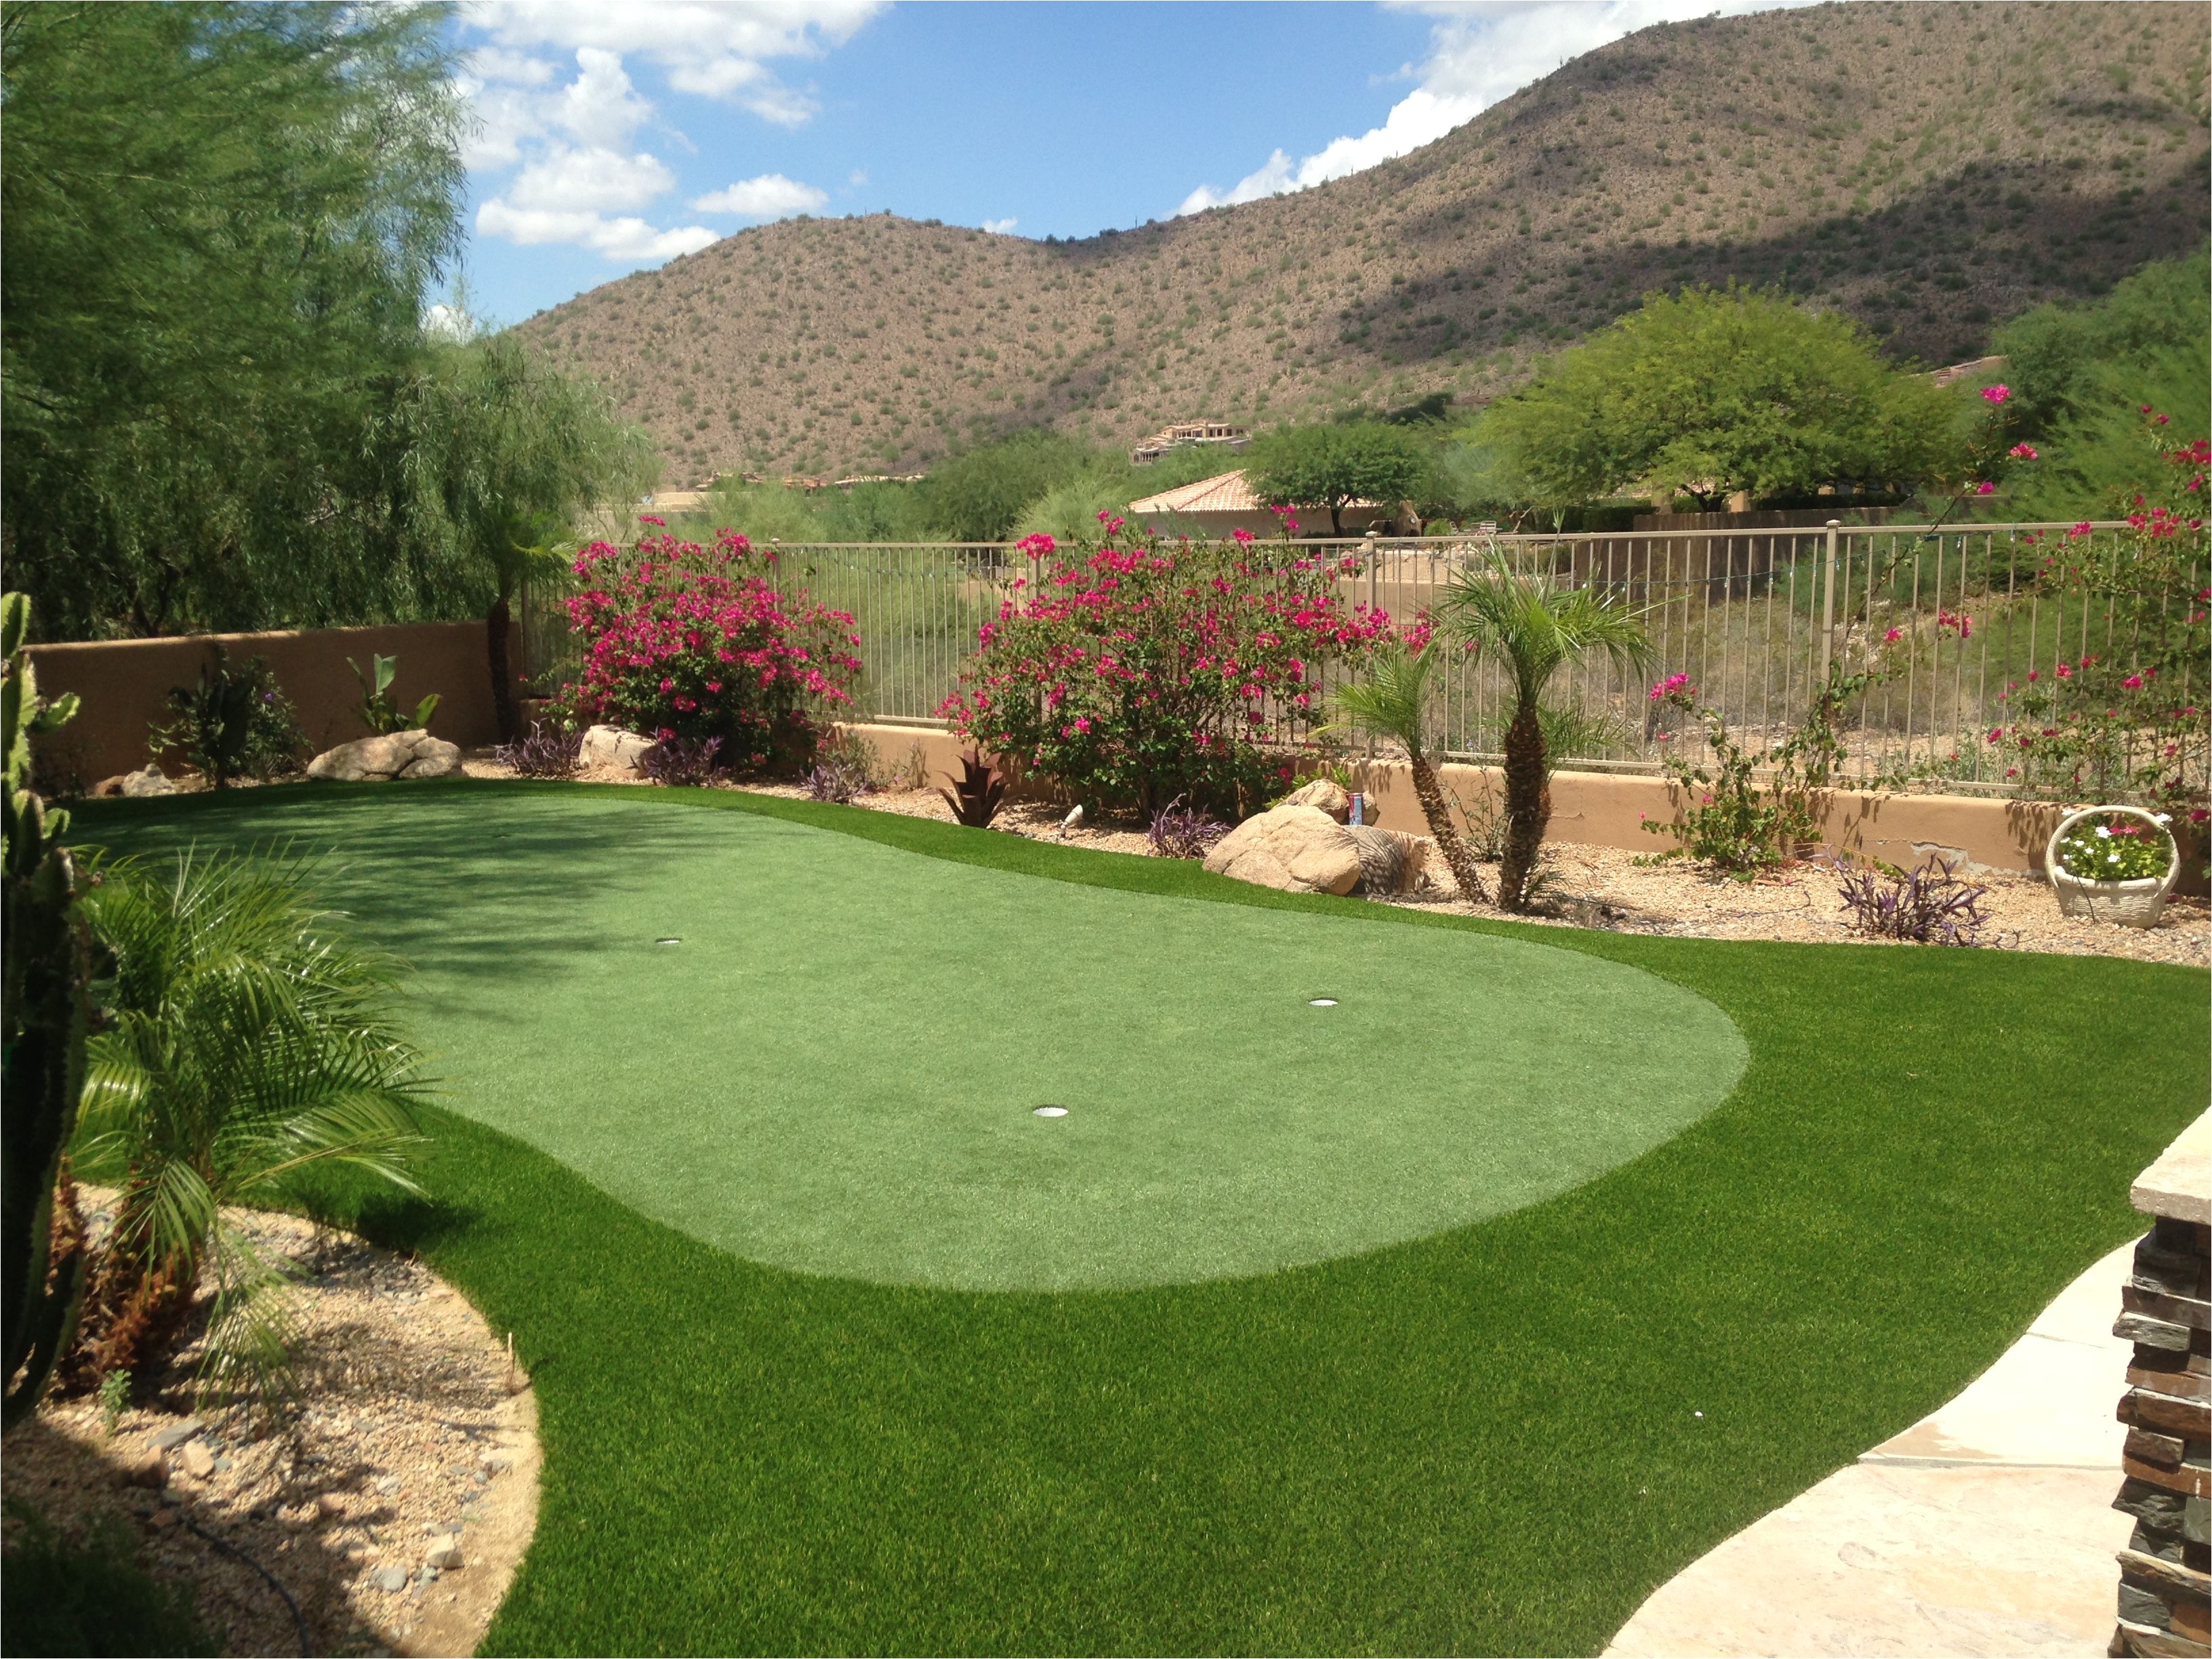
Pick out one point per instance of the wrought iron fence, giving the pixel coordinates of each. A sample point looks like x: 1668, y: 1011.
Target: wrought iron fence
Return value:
x: 1753, y: 618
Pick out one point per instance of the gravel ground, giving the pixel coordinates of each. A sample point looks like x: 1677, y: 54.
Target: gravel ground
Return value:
x: 407, y: 1438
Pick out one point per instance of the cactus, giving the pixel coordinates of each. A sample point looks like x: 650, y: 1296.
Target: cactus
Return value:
x: 45, y: 989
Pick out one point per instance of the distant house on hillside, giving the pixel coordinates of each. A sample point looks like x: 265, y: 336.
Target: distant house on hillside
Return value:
x: 1216, y: 506
x: 1186, y: 435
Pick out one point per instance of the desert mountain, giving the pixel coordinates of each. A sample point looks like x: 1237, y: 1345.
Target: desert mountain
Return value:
x: 1932, y: 168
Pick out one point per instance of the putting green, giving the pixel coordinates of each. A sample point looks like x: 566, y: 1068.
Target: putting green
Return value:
x: 835, y: 1067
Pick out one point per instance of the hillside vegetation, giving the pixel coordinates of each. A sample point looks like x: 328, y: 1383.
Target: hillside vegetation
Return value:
x: 1932, y: 169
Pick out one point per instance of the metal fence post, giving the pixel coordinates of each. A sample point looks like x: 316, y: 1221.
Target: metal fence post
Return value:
x: 1828, y: 601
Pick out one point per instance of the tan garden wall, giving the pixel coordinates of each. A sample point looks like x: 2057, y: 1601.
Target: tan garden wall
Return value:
x: 125, y: 685
x: 1599, y: 809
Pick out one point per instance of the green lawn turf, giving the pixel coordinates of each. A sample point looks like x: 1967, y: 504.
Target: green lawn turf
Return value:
x: 1482, y: 1439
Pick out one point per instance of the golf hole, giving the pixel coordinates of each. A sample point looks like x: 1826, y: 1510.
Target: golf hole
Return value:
x: 668, y: 941
x: 1051, y: 1111
x: 1321, y: 1002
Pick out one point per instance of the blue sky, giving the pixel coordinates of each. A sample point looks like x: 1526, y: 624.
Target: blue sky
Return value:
x: 613, y: 135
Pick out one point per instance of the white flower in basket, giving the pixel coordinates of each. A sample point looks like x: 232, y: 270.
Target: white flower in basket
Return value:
x: 2131, y: 903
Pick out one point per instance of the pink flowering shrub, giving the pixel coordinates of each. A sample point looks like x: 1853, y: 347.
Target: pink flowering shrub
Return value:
x: 1144, y: 669
x: 2127, y: 724
x: 696, y: 643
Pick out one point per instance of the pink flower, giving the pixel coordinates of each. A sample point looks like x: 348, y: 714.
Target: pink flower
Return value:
x: 1893, y: 636
x: 2133, y: 683
x: 1996, y: 394
x: 2063, y: 671
x: 1244, y: 537
x: 1985, y: 488
x: 2023, y: 452
x: 2080, y: 529
x: 1039, y: 545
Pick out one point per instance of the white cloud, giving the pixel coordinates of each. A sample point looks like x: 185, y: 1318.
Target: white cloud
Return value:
x: 712, y: 48
x: 1480, y: 53
x: 771, y: 196
x: 446, y: 322
x: 999, y: 227
x: 859, y: 178
x: 627, y: 240
x: 590, y: 179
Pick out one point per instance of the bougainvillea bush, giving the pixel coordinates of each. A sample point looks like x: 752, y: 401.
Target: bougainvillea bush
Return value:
x: 692, y: 642
x: 1142, y: 669
x: 2126, y: 722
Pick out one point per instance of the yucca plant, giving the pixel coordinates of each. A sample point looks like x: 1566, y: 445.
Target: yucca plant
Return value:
x: 1392, y: 702
x: 1534, y: 624
x: 246, y: 1044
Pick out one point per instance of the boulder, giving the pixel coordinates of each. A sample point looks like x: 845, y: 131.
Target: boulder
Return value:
x: 1295, y: 849
x: 414, y: 754
x: 1390, y: 860
x: 1320, y: 791
x: 135, y: 784
x: 614, y: 749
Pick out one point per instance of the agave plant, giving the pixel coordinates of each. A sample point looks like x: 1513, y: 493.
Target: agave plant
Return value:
x: 246, y: 1045
x: 1392, y: 702
x: 1535, y: 625
x: 976, y: 792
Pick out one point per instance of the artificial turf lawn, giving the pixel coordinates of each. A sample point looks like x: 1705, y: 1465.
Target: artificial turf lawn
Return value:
x: 822, y: 1053
x: 1481, y: 1440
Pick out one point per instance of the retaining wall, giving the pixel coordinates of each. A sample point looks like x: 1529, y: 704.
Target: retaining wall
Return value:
x: 123, y: 685
x: 1601, y: 809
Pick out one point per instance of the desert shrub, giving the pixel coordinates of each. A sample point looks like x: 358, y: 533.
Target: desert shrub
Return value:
x: 232, y: 723
x: 376, y: 708
x: 544, y: 754
x: 689, y: 641
x: 1931, y: 905
x: 681, y: 762
x: 1142, y: 670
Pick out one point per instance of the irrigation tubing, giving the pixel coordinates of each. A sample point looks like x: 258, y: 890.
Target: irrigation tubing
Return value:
x: 306, y: 1649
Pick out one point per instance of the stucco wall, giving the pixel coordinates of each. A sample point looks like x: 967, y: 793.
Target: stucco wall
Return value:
x: 124, y: 684
x: 1598, y: 809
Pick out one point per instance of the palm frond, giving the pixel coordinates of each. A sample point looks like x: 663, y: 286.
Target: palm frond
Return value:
x: 1391, y: 702
x: 1536, y: 624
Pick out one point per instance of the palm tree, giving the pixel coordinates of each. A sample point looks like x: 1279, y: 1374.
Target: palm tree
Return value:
x: 246, y: 1045
x: 1534, y: 624
x: 1392, y: 702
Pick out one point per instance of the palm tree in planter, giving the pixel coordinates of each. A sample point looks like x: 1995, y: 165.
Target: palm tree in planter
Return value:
x: 247, y: 1045
x: 1392, y: 702
x: 1534, y: 624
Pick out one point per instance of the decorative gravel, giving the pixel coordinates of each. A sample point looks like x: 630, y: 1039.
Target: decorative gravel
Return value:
x: 406, y: 1440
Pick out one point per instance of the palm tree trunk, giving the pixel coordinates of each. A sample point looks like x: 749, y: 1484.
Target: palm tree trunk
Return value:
x: 503, y: 681
x: 1527, y: 804
x: 136, y: 1307
x: 1458, y: 856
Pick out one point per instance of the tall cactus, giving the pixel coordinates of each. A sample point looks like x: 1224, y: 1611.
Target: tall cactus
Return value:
x: 44, y: 1005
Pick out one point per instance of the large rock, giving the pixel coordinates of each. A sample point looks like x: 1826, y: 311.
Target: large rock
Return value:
x: 615, y: 749
x: 393, y: 754
x: 150, y: 781
x: 1297, y: 849
x: 1320, y: 791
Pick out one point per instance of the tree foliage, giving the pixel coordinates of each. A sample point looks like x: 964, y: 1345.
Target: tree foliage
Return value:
x: 1334, y: 466
x: 1711, y: 392
x: 222, y: 220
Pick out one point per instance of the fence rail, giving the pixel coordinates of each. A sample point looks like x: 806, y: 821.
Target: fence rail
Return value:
x: 1754, y: 618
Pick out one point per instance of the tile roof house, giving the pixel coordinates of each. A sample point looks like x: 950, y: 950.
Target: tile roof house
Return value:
x: 1216, y: 506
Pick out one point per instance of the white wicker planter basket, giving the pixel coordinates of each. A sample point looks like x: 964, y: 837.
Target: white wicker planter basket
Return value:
x: 2128, y: 903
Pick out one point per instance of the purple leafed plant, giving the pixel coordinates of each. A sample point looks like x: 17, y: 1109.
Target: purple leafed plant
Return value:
x: 1184, y: 832
x: 1928, y: 906
x: 544, y: 754
x: 838, y: 781
x: 681, y: 761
